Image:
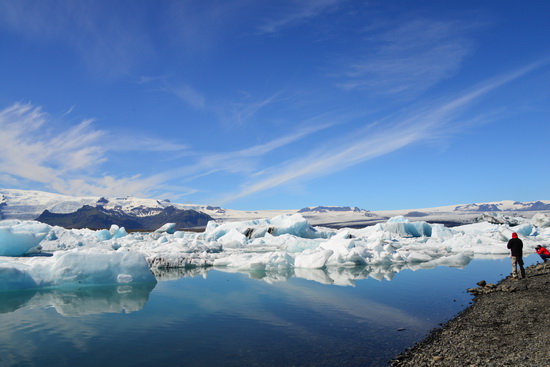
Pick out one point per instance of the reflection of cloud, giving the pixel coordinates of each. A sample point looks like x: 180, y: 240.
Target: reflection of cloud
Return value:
x: 325, y: 302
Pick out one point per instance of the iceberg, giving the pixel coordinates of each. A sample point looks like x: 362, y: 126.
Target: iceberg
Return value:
x: 285, y: 244
x: 75, y: 269
x: 18, y: 238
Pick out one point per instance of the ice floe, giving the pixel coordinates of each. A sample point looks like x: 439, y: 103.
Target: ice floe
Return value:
x: 280, y: 246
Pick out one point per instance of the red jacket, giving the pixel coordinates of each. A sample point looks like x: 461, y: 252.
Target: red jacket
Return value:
x: 542, y: 251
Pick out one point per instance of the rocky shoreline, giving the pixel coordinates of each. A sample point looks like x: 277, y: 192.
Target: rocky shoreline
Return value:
x: 508, y: 325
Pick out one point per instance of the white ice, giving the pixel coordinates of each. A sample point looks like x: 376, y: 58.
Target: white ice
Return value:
x: 282, y: 245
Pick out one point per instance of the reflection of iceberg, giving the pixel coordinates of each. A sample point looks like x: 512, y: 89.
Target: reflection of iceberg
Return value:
x: 11, y: 301
x: 162, y: 274
x: 346, y: 276
x: 85, y: 301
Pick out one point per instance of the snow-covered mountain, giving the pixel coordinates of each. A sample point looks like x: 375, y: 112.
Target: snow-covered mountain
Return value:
x: 29, y: 204
x: 506, y: 205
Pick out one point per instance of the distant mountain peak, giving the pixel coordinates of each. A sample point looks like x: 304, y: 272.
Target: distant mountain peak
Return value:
x: 326, y: 209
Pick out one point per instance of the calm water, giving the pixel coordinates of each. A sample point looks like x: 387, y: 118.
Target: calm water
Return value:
x: 218, y: 318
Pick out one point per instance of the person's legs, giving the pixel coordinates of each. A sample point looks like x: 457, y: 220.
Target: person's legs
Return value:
x: 514, y: 267
x: 544, y: 257
x: 520, y: 262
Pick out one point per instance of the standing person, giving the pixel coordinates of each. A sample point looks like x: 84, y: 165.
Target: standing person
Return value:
x: 543, y: 253
x: 516, y: 252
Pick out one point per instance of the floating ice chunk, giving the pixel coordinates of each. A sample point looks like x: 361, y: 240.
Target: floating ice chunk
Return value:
x: 124, y: 278
x: 256, y: 261
x: 233, y: 239
x: 20, y: 237
x: 526, y: 230
x: 397, y: 219
x: 103, y: 235
x: 312, y: 260
x: 541, y: 220
x: 117, y: 232
x: 440, y: 231
x: 402, y: 227
x: 294, y: 225
x: 75, y: 269
x: 167, y: 228
x: 418, y: 256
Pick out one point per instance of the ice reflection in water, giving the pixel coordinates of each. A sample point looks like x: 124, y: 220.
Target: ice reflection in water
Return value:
x: 80, y: 302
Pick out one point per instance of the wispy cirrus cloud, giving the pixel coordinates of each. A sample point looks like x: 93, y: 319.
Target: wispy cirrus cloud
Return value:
x: 410, y: 57
x: 189, y: 95
x: 248, y: 160
x: 393, y: 134
x: 67, y: 160
x: 296, y: 12
x: 30, y: 151
x: 70, y: 160
x: 241, y: 112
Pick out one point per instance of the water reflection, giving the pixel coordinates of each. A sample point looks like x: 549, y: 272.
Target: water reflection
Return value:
x: 80, y: 302
x: 340, y: 276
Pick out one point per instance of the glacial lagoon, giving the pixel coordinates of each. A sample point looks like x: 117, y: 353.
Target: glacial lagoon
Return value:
x: 215, y: 317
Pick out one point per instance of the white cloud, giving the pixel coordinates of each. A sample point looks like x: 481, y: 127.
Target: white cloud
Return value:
x: 29, y: 152
x: 65, y: 160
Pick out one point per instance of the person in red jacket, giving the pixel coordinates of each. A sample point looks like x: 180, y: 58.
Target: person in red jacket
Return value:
x: 543, y: 253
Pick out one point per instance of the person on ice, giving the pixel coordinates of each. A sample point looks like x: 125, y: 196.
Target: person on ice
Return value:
x: 516, y: 252
x: 543, y: 253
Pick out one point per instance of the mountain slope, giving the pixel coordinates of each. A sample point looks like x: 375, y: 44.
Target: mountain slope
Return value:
x: 100, y: 218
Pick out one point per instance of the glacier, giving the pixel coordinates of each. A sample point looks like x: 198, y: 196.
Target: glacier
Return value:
x: 265, y: 248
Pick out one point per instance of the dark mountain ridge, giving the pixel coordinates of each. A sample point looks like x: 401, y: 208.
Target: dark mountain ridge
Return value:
x: 101, y: 218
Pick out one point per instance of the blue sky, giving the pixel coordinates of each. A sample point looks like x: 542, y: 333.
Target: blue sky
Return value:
x: 279, y: 104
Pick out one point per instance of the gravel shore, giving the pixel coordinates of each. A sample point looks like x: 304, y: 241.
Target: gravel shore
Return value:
x: 508, y: 325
